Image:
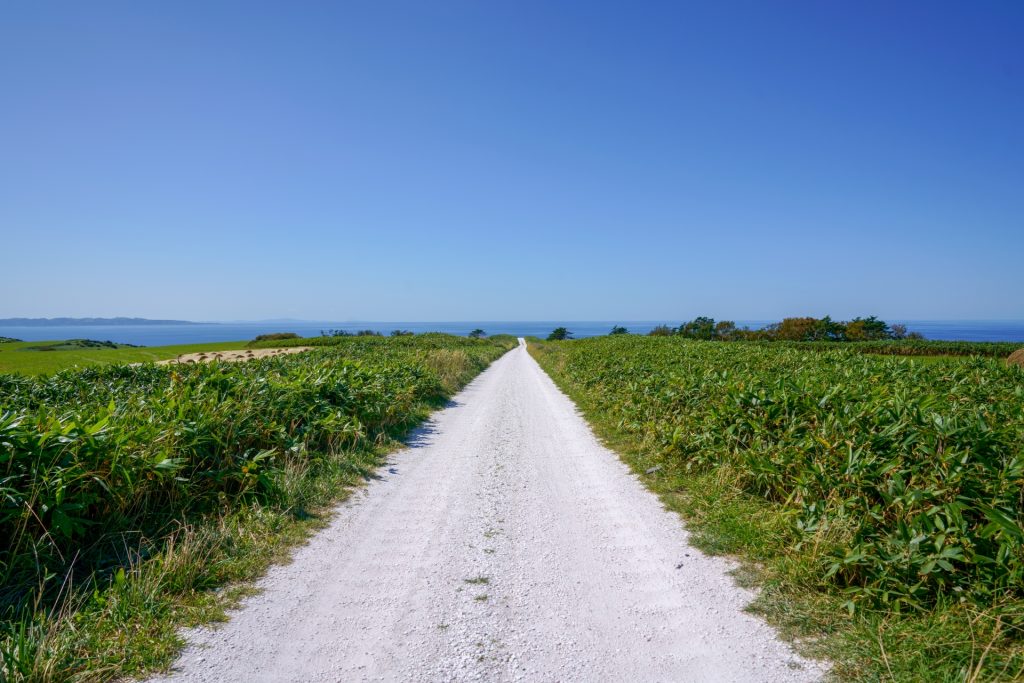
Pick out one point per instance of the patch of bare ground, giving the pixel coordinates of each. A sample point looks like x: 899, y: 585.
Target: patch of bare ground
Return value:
x: 232, y: 356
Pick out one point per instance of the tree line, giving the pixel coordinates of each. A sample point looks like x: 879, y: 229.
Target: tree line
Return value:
x: 870, y: 328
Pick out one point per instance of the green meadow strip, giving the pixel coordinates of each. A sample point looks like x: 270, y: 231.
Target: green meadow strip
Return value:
x: 878, y: 504
x: 909, y: 347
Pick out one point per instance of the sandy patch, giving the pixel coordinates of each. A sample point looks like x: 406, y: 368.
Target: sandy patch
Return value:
x: 232, y: 356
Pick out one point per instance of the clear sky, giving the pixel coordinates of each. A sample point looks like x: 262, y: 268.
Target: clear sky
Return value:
x: 512, y: 160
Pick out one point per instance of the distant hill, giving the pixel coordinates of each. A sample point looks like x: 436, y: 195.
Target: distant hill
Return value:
x: 63, y: 322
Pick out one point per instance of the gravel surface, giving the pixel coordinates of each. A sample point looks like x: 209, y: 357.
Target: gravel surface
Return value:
x: 506, y: 543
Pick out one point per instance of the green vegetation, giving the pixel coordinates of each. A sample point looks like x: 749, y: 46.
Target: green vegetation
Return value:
x: 910, y: 347
x: 8, y: 340
x: 27, y: 359
x: 400, y: 339
x: 559, y: 334
x: 358, y: 333
x: 127, y: 493
x: 791, y: 329
x: 619, y: 329
x: 276, y: 336
x: 878, y: 502
x: 477, y: 334
x: 74, y: 345
x: 864, y: 335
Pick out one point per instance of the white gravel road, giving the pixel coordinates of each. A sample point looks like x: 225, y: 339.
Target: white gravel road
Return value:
x: 506, y: 543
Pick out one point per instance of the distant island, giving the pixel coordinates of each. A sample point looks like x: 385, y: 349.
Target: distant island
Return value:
x: 54, y: 322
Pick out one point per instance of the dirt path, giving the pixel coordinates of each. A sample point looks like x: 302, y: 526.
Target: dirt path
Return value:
x: 505, y: 544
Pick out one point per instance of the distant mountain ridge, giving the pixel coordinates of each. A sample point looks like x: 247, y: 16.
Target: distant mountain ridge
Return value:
x: 54, y: 322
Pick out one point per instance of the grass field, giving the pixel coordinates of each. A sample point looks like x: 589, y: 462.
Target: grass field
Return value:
x: 23, y: 358
x: 876, y: 500
x: 129, y: 493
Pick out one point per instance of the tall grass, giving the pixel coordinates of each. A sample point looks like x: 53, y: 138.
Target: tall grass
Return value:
x: 126, y: 493
x: 907, y: 347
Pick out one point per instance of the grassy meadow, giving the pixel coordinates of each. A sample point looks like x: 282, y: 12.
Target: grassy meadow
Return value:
x: 135, y: 499
x: 877, y: 501
x: 45, y: 357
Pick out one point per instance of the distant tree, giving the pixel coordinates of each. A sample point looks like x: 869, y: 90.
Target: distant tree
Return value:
x: 559, y: 334
x: 368, y: 333
x: 794, y: 329
x: 789, y: 329
x: 477, y: 334
x: 401, y: 333
x: 725, y: 330
x: 867, y: 329
x: 335, y: 333
x: 827, y: 329
x: 760, y: 334
x: 701, y: 327
x: 618, y: 329
x: 275, y: 336
x: 813, y: 329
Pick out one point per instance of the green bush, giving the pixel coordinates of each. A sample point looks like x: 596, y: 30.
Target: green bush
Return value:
x: 275, y: 336
x: 559, y: 334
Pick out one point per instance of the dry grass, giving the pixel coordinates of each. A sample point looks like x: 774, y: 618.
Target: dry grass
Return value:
x: 232, y: 356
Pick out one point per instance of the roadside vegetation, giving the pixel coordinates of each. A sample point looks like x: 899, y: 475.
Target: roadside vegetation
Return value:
x: 138, y: 499
x: 877, y: 502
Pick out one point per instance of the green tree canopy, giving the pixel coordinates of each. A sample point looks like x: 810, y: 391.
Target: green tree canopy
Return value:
x: 701, y: 327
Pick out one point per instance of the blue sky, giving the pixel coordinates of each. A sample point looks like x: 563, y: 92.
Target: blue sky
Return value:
x: 516, y: 160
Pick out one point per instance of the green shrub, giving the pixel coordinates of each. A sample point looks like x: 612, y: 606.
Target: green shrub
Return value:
x: 559, y: 334
x: 275, y: 336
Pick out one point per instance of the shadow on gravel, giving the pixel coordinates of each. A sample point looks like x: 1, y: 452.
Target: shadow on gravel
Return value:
x: 422, y: 436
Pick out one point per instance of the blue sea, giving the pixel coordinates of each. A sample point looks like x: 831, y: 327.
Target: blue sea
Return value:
x: 162, y: 335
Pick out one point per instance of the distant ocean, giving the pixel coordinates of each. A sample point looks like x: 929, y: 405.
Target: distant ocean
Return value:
x: 162, y: 335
